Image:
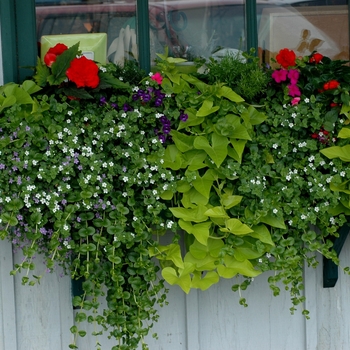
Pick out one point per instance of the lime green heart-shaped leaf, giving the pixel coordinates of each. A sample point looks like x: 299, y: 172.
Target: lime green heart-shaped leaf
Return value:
x: 227, y: 92
x: 200, y: 231
x: 213, y: 247
x: 236, y: 227
x: 192, y: 214
x: 262, y: 233
x: 233, y: 267
x: 207, y: 108
x: 208, y: 263
x: 205, y: 282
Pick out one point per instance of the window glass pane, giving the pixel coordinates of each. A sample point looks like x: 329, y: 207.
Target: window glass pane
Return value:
x: 193, y: 28
x: 304, y: 27
x: 56, y: 17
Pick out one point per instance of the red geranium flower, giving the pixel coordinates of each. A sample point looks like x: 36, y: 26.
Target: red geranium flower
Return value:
x: 330, y: 85
x: 83, y: 72
x: 53, y: 52
x: 316, y: 58
x: 58, y: 49
x: 286, y: 58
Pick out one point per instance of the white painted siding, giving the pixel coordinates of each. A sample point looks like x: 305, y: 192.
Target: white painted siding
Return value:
x: 39, y: 317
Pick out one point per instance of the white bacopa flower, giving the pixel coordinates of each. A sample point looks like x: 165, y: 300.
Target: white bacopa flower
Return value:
x: 290, y: 125
x: 69, y: 113
x: 306, y: 100
x: 275, y: 211
x: 103, y: 69
x: 294, y: 115
x: 170, y: 224
x: 125, y: 179
x: 142, y: 149
x: 275, y: 145
x: 342, y: 173
x: 317, y: 209
x: 288, y: 177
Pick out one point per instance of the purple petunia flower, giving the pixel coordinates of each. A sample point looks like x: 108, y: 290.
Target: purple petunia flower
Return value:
x: 183, y: 117
x: 103, y: 101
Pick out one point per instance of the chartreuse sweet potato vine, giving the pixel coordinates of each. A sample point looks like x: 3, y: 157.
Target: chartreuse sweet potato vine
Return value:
x: 203, y: 152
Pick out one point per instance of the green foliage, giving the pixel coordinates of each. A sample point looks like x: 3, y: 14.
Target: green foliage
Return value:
x: 95, y: 182
x: 241, y: 72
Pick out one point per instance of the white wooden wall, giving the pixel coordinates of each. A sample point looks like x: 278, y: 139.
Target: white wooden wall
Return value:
x: 39, y: 317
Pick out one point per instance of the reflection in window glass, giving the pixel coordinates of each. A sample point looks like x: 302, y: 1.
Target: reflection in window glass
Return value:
x: 189, y: 28
x: 192, y: 28
x: 304, y: 27
x: 54, y: 17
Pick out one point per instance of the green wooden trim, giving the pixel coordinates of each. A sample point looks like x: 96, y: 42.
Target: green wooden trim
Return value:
x: 143, y: 37
x: 330, y: 269
x: 8, y: 40
x: 27, y: 49
x: 18, y: 38
x: 251, y: 25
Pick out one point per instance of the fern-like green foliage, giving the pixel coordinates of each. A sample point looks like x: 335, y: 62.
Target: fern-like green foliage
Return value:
x: 241, y: 72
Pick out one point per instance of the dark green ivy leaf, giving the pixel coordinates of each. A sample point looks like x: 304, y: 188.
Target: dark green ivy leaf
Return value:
x: 62, y: 63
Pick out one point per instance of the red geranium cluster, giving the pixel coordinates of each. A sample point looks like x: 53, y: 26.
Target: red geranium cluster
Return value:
x: 53, y: 52
x: 286, y: 58
x: 330, y: 85
x: 316, y: 58
x: 82, y: 71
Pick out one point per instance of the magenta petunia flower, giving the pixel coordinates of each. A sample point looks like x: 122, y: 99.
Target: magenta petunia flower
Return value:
x: 293, y: 90
x: 293, y: 76
x: 295, y: 101
x: 157, y: 78
x: 280, y: 75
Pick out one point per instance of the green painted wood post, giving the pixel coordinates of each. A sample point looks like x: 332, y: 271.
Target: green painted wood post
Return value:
x: 18, y: 38
x: 143, y: 38
x: 8, y: 40
x: 251, y: 25
x: 27, y: 47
